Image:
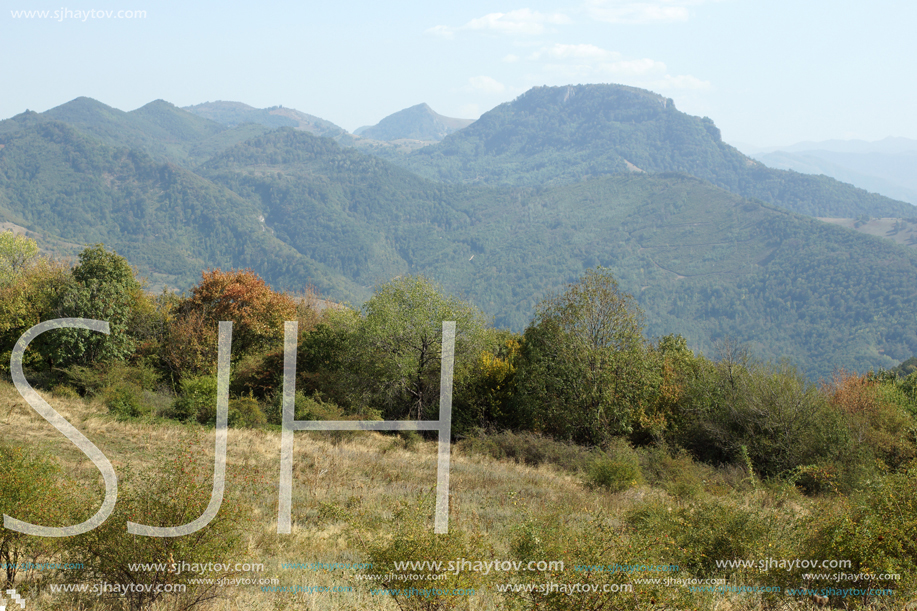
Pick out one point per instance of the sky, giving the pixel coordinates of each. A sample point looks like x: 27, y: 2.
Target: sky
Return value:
x: 768, y: 72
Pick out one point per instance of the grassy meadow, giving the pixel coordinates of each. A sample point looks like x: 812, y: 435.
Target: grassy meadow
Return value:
x: 366, y: 497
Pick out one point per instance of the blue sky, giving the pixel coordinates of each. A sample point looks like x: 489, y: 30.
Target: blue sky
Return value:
x: 767, y: 72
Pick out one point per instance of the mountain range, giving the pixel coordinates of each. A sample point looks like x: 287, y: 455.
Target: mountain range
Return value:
x: 712, y: 244
x: 886, y: 166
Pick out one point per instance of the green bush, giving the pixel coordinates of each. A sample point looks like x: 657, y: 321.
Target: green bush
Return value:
x: 246, y: 412
x: 528, y: 448
x: 172, y: 493
x: 305, y: 408
x: 678, y: 474
x: 197, y: 400
x: 617, y: 468
x: 65, y: 391
x: 128, y: 391
x: 408, y: 537
x: 590, y: 546
x: 708, y: 530
x: 782, y: 420
x: 94, y: 380
x: 32, y: 489
x: 875, y: 529
x: 124, y: 400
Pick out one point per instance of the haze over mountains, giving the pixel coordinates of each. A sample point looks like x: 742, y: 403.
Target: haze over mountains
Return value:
x: 503, y: 211
x: 886, y: 166
x: 415, y: 123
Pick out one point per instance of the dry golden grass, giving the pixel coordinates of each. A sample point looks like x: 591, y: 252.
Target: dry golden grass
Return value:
x: 340, y: 485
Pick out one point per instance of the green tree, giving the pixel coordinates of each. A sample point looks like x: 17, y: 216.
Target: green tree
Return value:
x: 16, y: 251
x: 397, y: 346
x: 585, y: 371
x: 103, y: 287
x: 29, y: 288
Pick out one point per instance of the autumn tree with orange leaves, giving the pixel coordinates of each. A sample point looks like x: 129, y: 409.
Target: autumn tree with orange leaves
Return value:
x: 875, y: 420
x: 241, y: 296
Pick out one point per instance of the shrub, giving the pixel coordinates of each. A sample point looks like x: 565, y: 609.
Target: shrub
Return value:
x: 409, y: 537
x: 875, y: 529
x: 174, y: 492
x: 781, y: 419
x: 678, y: 474
x: 125, y: 400
x: 616, y: 469
x: 705, y: 531
x: 65, y: 391
x: 32, y: 490
x: 245, y: 412
x: 876, y: 418
x: 594, y: 551
x: 196, y: 401
x: 305, y: 408
x: 128, y: 391
x: 528, y: 448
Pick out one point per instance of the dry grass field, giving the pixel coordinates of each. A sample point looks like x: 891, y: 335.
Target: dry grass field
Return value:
x: 359, y: 496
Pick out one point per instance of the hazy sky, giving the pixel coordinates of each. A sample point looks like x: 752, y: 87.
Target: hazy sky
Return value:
x: 768, y: 72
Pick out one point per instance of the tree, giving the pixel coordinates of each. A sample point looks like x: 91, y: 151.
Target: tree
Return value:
x: 103, y: 287
x: 584, y: 373
x: 29, y: 288
x: 398, y: 346
x: 241, y: 296
x: 16, y: 251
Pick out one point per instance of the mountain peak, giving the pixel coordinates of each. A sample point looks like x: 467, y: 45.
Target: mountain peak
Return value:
x: 419, y: 122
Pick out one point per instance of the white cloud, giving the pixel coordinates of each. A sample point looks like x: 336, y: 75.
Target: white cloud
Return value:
x: 486, y: 84
x: 633, y: 67
x: 584, y: 62
x: 584, y: 51
x: 682, y: 81
x: 641, y: 11
x: 522, y: 21
x: 442, y: 31
x: 511, y: 59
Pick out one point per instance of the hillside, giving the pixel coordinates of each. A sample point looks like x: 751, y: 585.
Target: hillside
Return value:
x: 551, y: 135
x: 893, y: 174
x: 159, y: 129
x: 362, y: 216
x: 415, y: 123
x: 169, y: 222
x: 300, y: 209
x: 701, y: 261
x: 233, y: 114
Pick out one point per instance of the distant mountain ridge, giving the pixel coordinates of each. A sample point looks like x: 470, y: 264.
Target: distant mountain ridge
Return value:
x: 890, y: 174
x: 551, y: 135
x: 232, y: 114
x: 160, y: 129
x: 887, y: 166
x: 889, y: 145
x: 418, y: 122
